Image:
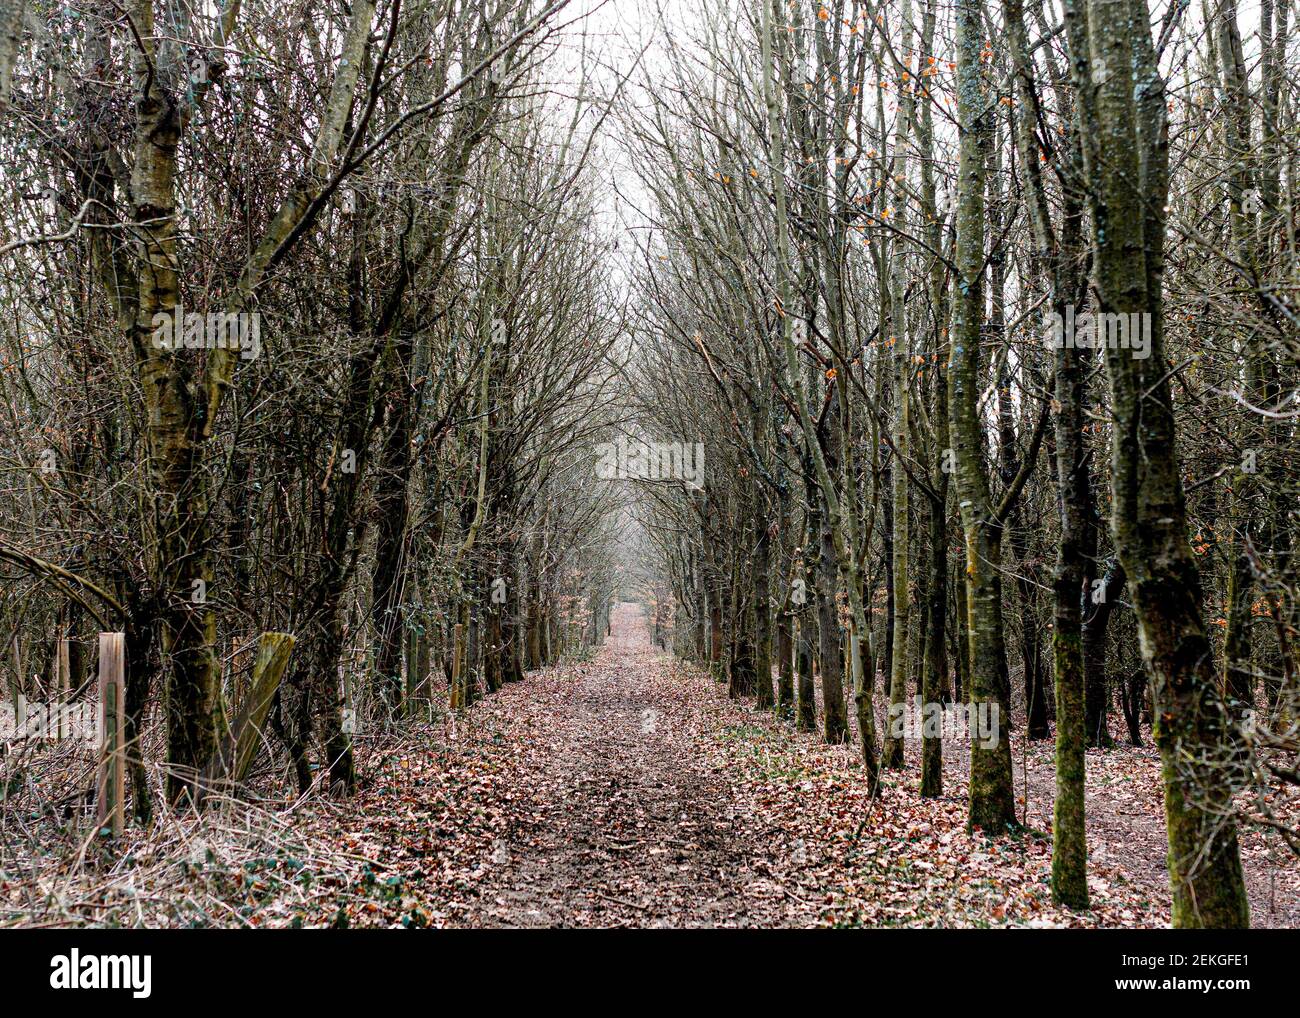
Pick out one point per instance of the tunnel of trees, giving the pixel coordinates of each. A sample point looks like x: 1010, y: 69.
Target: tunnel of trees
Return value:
x: 937, y: 351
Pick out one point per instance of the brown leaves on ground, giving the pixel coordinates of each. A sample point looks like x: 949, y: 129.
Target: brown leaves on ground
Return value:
x: 630, y: 791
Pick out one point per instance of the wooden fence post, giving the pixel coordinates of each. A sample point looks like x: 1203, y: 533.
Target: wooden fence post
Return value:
x: 109, y: 799
x: 19, y: 685
x: 457, y: 666
x: 420, y: 693
x: 16, y: 688
x: 417, y: 671
x: 235, y: 753
x: 62, y: 688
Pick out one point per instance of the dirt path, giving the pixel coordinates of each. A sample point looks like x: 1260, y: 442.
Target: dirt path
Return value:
x: 629, y: 825
x: 630, y: 791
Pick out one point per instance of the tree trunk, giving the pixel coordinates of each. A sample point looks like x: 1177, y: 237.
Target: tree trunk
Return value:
x: 1127, y: 123
x: 992, y: 804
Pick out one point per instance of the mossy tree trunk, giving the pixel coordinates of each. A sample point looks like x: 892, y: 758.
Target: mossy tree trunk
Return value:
x: 1126, y: 143
x: 992, y: 805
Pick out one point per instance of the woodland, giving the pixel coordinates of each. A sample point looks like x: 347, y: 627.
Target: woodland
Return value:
x: 594, y: 463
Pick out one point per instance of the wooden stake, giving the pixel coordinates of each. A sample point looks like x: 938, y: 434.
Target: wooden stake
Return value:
x: 236, y: 753
x: 420, y: 692
x: 16, y: 687
x: 457, y: 663
x: 111, y: 781
x: 62, y: 688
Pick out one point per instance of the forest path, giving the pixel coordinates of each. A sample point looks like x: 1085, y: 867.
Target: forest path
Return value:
x: 626, y: 822
x: 629, y: 790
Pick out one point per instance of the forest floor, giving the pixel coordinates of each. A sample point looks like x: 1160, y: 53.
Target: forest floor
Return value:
x: 629, y: 790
